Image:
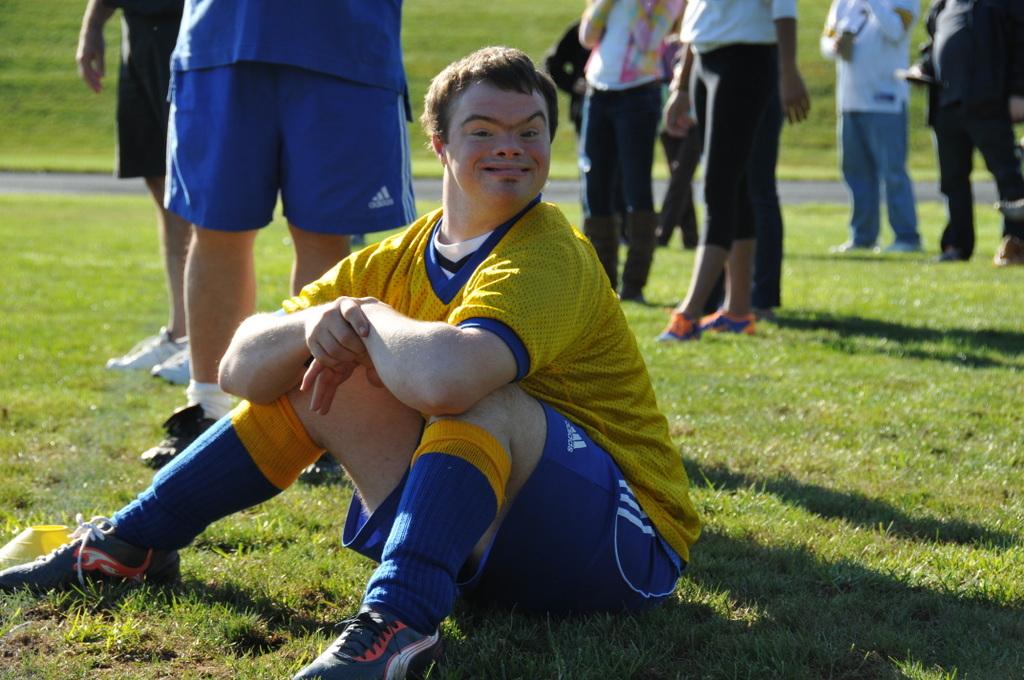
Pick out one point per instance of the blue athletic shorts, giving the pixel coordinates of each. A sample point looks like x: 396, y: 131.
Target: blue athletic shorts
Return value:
x: 337, y: 151
x: 575, y: 539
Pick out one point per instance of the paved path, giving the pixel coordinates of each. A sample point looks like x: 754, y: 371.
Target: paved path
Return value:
x: 430, y: 189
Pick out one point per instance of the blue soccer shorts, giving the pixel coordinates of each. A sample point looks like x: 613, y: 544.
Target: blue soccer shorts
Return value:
x: 337, y: 151
x: 575, y: 539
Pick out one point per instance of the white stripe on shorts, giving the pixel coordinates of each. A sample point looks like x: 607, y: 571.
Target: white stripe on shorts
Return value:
x: 633, y: 504
x: 408, y: 199
x: 633, y: 519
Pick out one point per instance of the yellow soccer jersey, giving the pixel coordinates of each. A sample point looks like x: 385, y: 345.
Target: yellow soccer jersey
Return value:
x: 538, y: 285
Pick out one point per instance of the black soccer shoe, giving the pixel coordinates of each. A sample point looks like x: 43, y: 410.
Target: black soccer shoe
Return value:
x: 183, y: 427
x: 375, y: 646
x: 94, y: 553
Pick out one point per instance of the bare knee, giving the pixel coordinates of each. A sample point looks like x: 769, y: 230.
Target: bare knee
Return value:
x: 224, y: 248
x: 518, y: 422
x: 314, y: 245
x: 512, y: 417
x: 372, y: 435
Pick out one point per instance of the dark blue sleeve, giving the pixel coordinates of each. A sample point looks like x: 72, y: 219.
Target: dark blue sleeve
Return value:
x: 509, y: 337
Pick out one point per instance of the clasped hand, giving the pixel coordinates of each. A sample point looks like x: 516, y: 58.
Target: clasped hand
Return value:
x: 335, y: 337
x: 676, y: 114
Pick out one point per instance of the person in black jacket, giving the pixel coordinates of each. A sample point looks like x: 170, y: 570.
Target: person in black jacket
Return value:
x: 564, y: 63
x: 974, y: 66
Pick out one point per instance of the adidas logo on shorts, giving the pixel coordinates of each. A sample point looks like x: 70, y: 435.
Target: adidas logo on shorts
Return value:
x: 574, y: 440
x: 382, y: 199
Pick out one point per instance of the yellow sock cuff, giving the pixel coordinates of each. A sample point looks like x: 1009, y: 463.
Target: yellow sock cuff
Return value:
x: 473, y: 444
x: 275, y: 439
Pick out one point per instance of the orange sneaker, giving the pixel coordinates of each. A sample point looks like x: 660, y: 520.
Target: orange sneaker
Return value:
x: 722, y: 322
x: 680, y: 328
x: 1011, y: 252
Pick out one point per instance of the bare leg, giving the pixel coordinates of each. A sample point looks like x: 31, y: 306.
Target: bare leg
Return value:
x: 739, y: 277
x: 220, y: 292
x: 315, y: 253
x: 708, y: 264
x: 373, y: 436
x: 175, y: 235
x: 517, y: 421
x: 369, y: 432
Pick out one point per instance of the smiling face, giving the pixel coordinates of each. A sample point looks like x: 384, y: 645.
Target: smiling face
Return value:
x: 497, y: 155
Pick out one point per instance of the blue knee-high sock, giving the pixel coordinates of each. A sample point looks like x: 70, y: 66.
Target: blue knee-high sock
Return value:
x: 446, y: 506
x: 212, y: 478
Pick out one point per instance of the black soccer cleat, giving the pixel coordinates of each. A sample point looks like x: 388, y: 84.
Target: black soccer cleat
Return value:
x: 94, y: 553
x: 183, y: 427
x: 375, y: 646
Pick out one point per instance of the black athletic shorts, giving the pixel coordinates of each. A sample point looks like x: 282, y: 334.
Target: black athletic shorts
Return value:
x: 146, y: 45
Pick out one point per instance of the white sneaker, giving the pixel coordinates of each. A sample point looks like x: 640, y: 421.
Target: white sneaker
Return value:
x: 149, y: 352
x: 175, y: 369
x: 851, y: 247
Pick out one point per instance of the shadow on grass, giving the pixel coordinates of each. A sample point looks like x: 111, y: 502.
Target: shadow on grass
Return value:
x: 245, y: 639
x: 815, y: 619
x: 245, y: 601
x: 855, y: 508
x: 911, y: 341
x: 748, y: 610
x: 503, y: 644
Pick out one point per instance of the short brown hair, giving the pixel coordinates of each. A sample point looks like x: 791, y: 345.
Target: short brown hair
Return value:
x: 506, y: 68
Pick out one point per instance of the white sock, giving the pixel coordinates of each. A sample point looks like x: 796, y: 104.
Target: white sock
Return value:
x: 215, y: 402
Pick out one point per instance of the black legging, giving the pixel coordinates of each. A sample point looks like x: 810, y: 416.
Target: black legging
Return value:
x: 732, y: 85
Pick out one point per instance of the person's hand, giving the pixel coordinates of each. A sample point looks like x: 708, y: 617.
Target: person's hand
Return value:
x: 323, y: 383
x: 793, y: 95
x: 334, y: 337
x: 676, y: 114
x: 914, y: 75
x: 844, y: 45
x: 90, y: 57
x: 579, y: 86
x: 1016, y: 108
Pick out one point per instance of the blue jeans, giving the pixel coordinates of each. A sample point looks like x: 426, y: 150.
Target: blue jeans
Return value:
x: 873, y: 147
x: 619, y: 129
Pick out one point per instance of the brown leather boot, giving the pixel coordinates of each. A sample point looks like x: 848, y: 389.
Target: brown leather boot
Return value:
x: 604, y: 236
x: 642, y: 241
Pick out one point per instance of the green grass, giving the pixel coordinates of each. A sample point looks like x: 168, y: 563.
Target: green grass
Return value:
x: 61, y: 125
x: 859, y: 467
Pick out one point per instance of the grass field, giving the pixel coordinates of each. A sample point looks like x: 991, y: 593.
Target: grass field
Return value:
x: 62, y: 126
x: 859, y: 466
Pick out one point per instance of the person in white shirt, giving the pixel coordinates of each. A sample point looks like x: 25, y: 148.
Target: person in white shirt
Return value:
x: 739, y: 48
x: 870, y: 41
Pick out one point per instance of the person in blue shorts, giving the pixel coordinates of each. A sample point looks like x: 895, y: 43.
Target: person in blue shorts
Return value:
x: 498, y: 424
x: 274, y: 99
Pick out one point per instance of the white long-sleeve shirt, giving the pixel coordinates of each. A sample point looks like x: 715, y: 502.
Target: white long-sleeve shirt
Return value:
x: 881, y: 45
x: 708, y: 24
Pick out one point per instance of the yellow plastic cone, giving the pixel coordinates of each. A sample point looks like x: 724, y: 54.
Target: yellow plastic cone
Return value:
x: 33, y: 542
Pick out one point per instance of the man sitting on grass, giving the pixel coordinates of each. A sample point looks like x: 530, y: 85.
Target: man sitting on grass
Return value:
x: 476, y: 379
